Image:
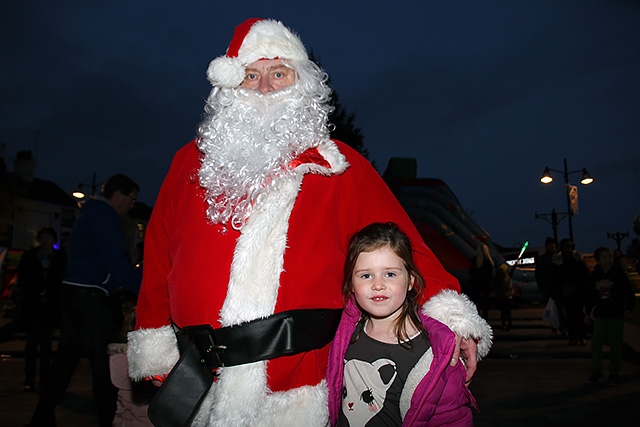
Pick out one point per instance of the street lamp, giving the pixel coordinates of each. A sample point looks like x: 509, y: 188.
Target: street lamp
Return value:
x: 618, y: 236
x: 79, y: 194
x: 571, y: 190
x: 553, y: 221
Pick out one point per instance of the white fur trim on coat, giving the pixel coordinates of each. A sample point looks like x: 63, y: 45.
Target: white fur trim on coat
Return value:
x: 329, y: 150
x: 302, y: 406
x: 241, y: 396
x: 151, y: 352
x: 461, y: 316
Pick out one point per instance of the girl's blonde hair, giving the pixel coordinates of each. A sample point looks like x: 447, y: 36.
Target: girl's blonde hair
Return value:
x: 375, y: 236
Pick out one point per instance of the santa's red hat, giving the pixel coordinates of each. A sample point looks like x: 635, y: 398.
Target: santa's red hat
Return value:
x: 254, y: 39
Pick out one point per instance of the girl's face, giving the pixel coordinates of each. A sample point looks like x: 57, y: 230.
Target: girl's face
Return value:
x: 380, y: 283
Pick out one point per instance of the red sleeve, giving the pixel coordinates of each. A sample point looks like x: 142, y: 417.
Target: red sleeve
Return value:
x: 153, y: 309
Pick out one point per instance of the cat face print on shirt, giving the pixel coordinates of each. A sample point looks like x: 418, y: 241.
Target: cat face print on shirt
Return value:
x: 364, y: 389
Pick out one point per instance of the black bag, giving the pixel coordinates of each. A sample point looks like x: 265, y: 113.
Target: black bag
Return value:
x: 187, y: 383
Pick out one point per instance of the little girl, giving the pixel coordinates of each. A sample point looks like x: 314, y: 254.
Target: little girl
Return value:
x: 389, y: 364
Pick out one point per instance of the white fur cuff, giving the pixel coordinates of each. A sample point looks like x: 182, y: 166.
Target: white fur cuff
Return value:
x: 151, y: 352
x: 461, y: 316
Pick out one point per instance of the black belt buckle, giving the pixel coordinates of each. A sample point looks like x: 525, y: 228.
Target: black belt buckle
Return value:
x: 204, y: 339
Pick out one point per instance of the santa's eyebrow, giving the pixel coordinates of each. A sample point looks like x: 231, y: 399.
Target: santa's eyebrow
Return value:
x: 271, y: 68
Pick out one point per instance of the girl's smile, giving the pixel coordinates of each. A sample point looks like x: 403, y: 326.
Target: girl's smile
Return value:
x: 380, y: 283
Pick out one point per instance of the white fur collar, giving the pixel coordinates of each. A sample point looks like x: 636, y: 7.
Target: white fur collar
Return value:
x: 241, y: 397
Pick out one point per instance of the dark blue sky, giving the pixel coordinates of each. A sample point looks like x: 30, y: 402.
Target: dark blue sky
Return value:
x: 483, y: 94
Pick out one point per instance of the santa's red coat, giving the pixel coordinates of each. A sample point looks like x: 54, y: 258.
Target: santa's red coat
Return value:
x: 289, y: 255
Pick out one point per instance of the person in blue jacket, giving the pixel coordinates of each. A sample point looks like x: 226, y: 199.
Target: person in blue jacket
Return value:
x: 98, y: 268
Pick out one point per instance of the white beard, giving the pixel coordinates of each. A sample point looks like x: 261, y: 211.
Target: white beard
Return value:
x: 248, y: 141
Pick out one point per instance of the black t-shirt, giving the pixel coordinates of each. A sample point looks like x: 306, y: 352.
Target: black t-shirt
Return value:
x: 374, y: 376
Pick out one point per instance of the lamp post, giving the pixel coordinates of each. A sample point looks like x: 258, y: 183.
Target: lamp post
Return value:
x: 79, y: 194
x: 585, y: 180
x: 553, y: 221
x: 618, y: 236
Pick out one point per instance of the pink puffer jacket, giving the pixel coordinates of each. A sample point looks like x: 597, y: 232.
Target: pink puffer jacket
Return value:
x: 434, y: 393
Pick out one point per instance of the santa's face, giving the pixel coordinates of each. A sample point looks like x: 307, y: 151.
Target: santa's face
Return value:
x: 267, y: 75
x: 252, y: 134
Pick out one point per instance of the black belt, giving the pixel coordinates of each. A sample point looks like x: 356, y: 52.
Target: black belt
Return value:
x: 281, y: 334
x: 203, y: 349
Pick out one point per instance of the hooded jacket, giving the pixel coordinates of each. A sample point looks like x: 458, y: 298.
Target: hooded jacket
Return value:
x: 434, y: 393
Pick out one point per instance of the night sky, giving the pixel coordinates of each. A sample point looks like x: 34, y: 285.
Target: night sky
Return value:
x: 484, y: 94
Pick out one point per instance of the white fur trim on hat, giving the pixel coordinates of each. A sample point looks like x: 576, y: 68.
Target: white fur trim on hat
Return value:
x: 226, y: 72
x: 265, y: 39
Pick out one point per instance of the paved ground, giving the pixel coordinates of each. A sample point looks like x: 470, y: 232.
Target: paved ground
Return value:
x: 16, y: 407
x: 531, y: 378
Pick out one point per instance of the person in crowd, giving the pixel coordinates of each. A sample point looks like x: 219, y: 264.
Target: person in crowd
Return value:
x: 573, y: 278
x: 389, y: 363
x: 40, y: 275
x: 545, y: 269
x: 617, y: 255
x: 482, y: 266
x: 625, y: 262
x: 98, y: 266
x: 504, y: 295
x: 610, y: 302
x: 251, y: 227
x: 546, y: 279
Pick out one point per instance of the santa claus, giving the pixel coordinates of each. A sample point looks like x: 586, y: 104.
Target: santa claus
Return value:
x: 252, y: 224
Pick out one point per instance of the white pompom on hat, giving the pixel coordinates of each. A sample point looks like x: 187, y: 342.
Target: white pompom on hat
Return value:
x: 254, y: 39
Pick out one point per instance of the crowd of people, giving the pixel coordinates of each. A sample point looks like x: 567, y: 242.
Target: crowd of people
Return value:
x: 591, y: 303
x: 89, y: 290
x: 588, y: 302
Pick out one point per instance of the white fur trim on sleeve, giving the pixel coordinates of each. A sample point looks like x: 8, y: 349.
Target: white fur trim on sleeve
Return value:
x: 151, y: 352
x: 461, y: 316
